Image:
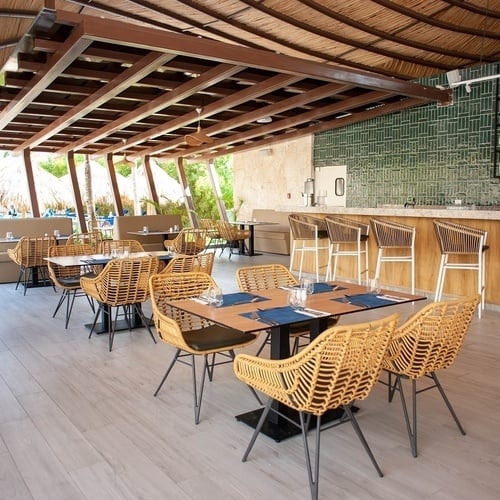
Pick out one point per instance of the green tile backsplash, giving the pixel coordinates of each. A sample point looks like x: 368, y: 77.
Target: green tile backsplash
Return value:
x: 429, y: 153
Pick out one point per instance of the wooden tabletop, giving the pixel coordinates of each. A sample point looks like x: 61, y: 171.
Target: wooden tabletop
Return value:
x: 230, y: 316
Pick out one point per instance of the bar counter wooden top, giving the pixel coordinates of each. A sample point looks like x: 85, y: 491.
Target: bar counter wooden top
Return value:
x: 427, y: 253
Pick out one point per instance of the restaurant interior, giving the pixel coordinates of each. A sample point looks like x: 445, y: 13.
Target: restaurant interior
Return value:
x: 362, y: 261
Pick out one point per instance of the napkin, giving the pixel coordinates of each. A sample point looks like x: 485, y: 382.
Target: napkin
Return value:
x: 365, y: 300
x: 232, y: 299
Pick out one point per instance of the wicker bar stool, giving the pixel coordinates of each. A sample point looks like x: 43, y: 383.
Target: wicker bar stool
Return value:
x: 468, y: 245
x: 348, y: 238
x: 391, y: 235
x: 309, y: 235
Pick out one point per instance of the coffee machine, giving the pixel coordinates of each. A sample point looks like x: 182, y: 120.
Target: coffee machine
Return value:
x: 308, y: 193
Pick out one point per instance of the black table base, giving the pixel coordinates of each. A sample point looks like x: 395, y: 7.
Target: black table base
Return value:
x: 282, y: 428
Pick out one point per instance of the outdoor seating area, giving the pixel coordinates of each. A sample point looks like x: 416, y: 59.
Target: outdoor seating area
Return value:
x: 225, y: 401
x: 249, y: 250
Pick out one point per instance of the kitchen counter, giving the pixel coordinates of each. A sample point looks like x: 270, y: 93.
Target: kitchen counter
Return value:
x: 427, y: 252
x: 450, y: 212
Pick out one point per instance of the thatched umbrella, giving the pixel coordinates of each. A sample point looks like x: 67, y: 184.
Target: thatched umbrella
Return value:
x: 166, y: 187
x: 51, y: 192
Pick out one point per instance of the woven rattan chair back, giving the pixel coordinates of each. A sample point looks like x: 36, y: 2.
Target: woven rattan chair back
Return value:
x: 264, y: 277
x: 122, y: 283
x: 391, y: 236
x: 347, y: 238
x: 180, y: 264
x: 31, y: 251
x: 134, y: 246
x: 467, y: 245
x: 339, y: 367
x: 61, y: 274
x: 190, y: 241
x: 428, y: 341
x: 170, y: 321
x: 456, y: 238
x: 309, y: 235
x: 29, y: 254
x: 232, y: 235
x: 93, y: 238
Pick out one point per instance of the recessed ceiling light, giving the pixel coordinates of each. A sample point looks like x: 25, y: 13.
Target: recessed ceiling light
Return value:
x: 265, y: 119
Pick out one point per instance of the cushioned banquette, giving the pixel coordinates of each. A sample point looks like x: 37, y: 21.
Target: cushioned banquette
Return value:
x: 29, y: 226
x: 126, y: 223
x: 272, y: 238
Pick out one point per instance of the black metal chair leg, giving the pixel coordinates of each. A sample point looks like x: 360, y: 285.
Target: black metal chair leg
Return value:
x: 256, y: 432
x: 448, y: 404
x: 312, y: 465
x: 170, y: 366
x: 357, y: 429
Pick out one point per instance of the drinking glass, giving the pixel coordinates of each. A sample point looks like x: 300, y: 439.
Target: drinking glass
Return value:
x: 297, y: 297
x: 216, y: 297
x: 374, y: 285
x: 308, y: 285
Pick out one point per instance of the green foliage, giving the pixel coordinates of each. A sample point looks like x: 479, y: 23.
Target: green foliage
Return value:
x: 201, y: 188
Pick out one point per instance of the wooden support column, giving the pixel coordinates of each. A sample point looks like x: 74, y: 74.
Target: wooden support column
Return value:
x: 151, y: 182
x: 117, y: 199
x: 188, y: 199
x: 214, y: 181
x: 28, y: 167
x: 80, y: 213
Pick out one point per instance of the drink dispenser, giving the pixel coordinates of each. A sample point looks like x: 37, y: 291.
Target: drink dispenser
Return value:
x: 308, y: 193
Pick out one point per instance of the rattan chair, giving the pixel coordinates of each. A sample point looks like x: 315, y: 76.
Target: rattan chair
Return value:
x: 191, y: 335
x: 67, y: 278
x: 340, y: 366
x: 213, y: 235
x: 466, y: 246
x: 190, y: 241
x: 396, y: 243
x: 232, y: 236
x: 251, y: 279
x: 348, y: 238
x: 202, y: 262
x: 29, y: 255
x: 133, y: 246
x: 429, y: 341
x: 92, y: 238
x: 309, y: 236
x: 123, y: 283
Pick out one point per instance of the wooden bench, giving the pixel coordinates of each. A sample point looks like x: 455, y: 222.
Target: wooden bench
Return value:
x: 29, y: 226
x: 273, y: 238
x: 126, y: 223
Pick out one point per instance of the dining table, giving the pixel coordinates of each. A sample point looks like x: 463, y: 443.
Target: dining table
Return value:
x: 250, y: 224
x: 100, y: 260
x: 269, y: 310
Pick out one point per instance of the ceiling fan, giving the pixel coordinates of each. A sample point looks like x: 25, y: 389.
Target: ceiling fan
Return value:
x: 199, y: 137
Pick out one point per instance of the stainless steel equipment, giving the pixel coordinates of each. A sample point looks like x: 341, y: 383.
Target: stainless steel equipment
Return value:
x: 308, y: 193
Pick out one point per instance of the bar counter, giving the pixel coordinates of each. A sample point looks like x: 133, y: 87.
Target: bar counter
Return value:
x: 427, y: 254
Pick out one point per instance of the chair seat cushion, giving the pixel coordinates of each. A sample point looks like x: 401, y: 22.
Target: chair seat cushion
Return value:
x: 216, y: 337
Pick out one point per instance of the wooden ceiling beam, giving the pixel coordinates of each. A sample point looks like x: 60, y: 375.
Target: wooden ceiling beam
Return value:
x: 69, y: 50
x: 184, y: 90
x: 287, y: 104
x: 228, y: 102
x: 113, y: 88
x: 291, y: 122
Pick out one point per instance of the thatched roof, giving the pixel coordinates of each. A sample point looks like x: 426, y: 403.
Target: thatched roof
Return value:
x: 89, y: 83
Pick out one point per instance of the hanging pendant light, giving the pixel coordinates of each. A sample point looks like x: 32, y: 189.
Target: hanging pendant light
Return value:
x: 199, y: 137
